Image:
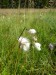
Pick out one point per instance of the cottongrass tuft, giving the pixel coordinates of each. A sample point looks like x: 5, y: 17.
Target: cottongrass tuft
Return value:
x: 24, y: 43
x: 32, y: 31
x: 37, y: 46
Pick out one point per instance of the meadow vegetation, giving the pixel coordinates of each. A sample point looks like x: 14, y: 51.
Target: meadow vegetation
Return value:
x: 13, y: 60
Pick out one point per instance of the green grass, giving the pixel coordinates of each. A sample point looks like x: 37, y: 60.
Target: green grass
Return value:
x: 14, y: 61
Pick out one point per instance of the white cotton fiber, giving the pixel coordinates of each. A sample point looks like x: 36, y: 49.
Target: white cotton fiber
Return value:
x: 24, y: 43
x: 32, y: 31
x: 37, y: 46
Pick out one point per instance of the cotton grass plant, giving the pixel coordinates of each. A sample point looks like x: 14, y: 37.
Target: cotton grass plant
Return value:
x: 24, y: 43
x: 29, y: 45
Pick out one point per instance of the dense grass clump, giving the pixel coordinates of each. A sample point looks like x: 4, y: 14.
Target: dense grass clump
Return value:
x: 13, y: 60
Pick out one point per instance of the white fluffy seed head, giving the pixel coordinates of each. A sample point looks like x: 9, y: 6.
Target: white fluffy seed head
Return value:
x: 37, y: 46
x: 32, y: 31
x: 23, y: 40
x: 24, y: 43
x: 25, y: 46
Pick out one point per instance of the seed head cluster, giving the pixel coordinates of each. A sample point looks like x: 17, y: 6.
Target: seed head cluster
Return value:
x: 25, y: 42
